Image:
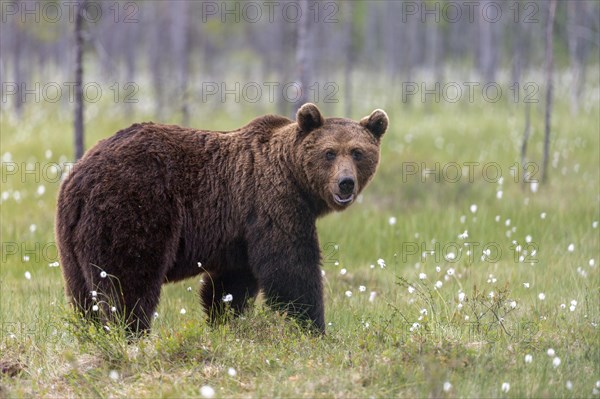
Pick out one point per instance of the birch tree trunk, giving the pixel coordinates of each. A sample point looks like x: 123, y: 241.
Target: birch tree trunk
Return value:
x: 549, y: 70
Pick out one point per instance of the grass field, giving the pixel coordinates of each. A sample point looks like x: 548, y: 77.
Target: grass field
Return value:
x: 468, y: 286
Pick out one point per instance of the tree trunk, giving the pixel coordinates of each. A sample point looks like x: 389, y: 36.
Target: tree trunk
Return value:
x: 526, y: 133
x: 303, y: 53
x: 348, y: 34
x: 573, y: 9
x: 79, y: 80
x: 17, y: 64
x: 549, y: 70
x: 487, y: 47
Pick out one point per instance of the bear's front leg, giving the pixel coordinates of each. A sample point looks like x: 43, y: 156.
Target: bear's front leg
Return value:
x: 289, y: 274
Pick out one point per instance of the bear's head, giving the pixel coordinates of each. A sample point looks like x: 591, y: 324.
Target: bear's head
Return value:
x: 338, y: 156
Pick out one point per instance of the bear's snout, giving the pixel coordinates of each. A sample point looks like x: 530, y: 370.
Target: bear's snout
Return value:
x: 346, y: 185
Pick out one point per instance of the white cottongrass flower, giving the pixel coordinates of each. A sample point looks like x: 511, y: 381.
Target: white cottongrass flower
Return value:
x: 392, y: 221
x: 473, y: 208
x: 28, y: 275
x: 228, y: 298
x: 556, y: 362
x: 95, y: 308
x: 372, y: 296
x: 541, y: 296
x: 32, y: 228
x: 595, y: 224
x: 505, y: 387
x: 362, y: 288
x: 422, y: 276
x: 528, y: 358
x: 113, y: 375
x: 571, y: 247
x: 507, y: 222
x: 463, y: 219
x: 447, y: 386
x: 543, y: 215
x: 513, y: 304
x: 94, y: 294
x: 26, y: 258
x: 526, y: 285
x: 438, y: 284
x: 411, y: 289
x: 551, y: 352
x: 572, y: 308
x: 155, y: 315
x: 183, y: 311
x: 381, y: 263
x: 189, y: 289
x: 463, y: 235
x: 461, y: 296
x: 592, y: 262
x: 528, y: 239
x: 207, y: 392
x: 438, y: 269
x: 231, y: 371
x: 348, y: 293
x: 114, y: 309
x: 423, y: 312
x: 41, y: 190
x: 497, y: 218
x: 103, y: 274
x: 450, y: 256
x: 574, y: 302
x: 499, y: 194
x: 563, y: 306
x: 450, y: 271
x: 343, y: 271
x: 569, y: 385
x: 534, y: 186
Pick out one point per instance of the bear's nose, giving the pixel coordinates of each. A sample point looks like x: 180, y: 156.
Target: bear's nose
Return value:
x: 346, y: 185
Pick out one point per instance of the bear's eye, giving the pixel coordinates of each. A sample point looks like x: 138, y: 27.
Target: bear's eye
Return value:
x: 330, y: 155
x: 357, y: 155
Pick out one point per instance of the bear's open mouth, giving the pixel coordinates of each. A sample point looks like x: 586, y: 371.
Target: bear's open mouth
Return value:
x: 343, y: 201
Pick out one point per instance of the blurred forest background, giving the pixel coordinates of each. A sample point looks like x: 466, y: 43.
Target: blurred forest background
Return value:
x: 168, y: 58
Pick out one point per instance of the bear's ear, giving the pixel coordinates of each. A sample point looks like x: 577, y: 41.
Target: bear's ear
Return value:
x: 376, y: 123
x: 309, y: 118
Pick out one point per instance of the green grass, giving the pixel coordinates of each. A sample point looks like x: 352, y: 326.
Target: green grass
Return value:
x: 372, y: 348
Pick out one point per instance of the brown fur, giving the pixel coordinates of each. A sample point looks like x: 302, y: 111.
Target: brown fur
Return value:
x: 149, y: 203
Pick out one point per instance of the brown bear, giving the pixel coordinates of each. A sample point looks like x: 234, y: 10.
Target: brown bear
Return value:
x: 159, y: 203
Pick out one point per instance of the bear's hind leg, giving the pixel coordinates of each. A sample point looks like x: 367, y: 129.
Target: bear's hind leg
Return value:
x: 77, y: 289
x: 231, y: 290
x: 133, y: 305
